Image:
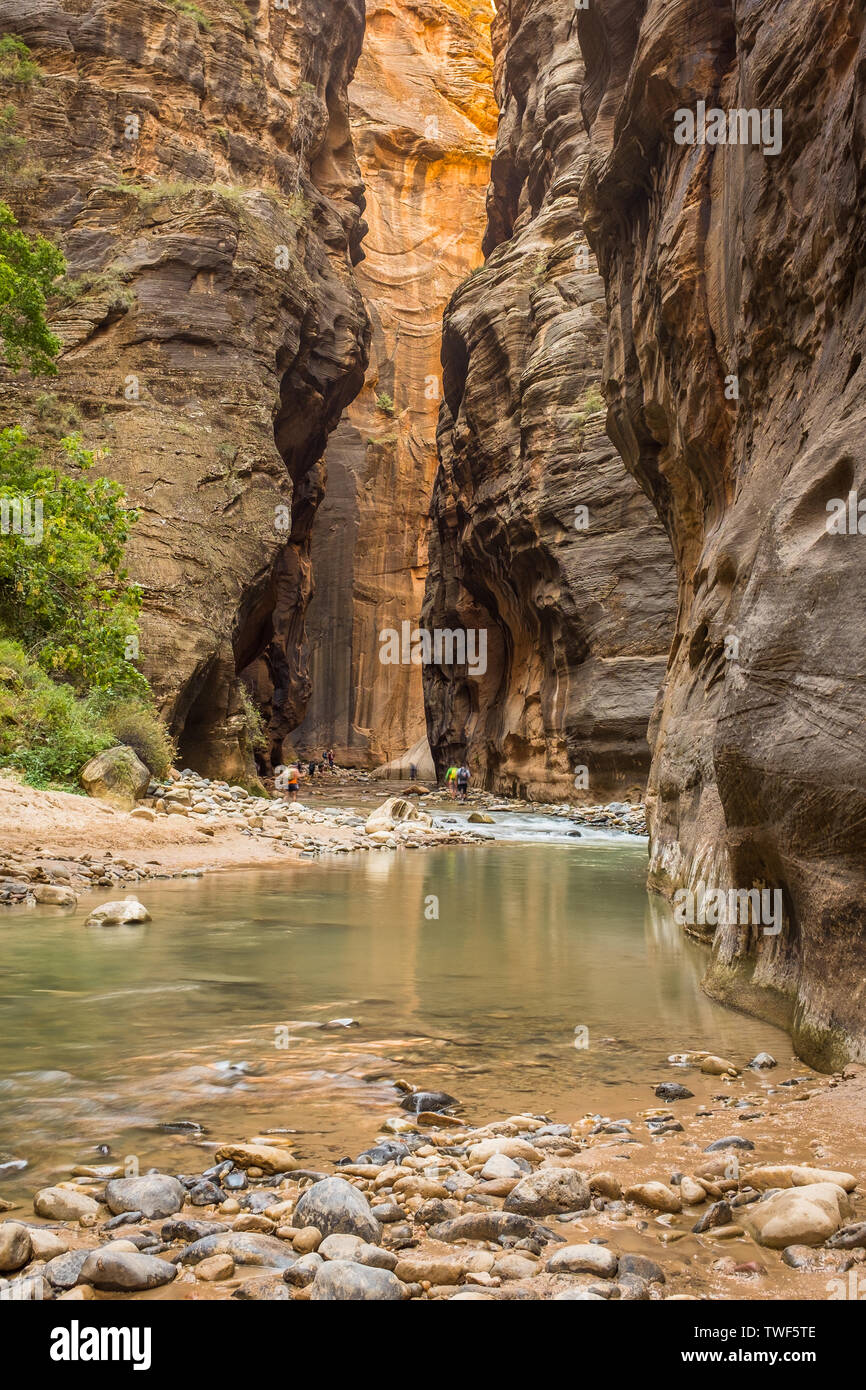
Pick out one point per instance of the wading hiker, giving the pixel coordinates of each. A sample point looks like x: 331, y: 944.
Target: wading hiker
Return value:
x: 451, y: 781
x: 463, y: 775
x: 293, y: 784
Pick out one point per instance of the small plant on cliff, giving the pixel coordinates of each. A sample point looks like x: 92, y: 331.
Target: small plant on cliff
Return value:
x: 107, y: 283
x: 385, y: 403
x: 16, y: 65
x: 64, y: 591
x: 55, y: 416
x: 191, y: 11
x: 12, y: 146
x: 592, y: 402
x: 28, y: 269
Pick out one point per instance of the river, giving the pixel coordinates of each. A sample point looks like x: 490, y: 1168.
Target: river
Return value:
x: 465, y: 969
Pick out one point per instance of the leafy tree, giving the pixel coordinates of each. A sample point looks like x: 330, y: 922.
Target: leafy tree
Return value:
x: 28, y: 269
x: 64, y: 592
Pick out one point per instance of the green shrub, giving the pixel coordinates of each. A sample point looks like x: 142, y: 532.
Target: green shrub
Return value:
x: 28, y: 269
x: 64, y: 591
x: 138, y: 725
x: 385, y: 403
x: 46, y: 730
x: 253, y: 726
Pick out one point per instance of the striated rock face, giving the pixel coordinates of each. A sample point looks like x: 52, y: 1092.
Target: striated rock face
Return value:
x: 195, y: 164
x: 723, y: 262
x: 540, y: 537
x: 423, y: 121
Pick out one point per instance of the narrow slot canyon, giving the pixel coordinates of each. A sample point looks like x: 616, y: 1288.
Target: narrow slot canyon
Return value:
x: 432, y: 691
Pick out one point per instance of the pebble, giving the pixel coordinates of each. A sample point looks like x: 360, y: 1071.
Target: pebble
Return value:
x: 656, y: 1195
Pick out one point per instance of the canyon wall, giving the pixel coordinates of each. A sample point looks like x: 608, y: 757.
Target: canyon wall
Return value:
x: 423, y: 121
x: 737, y: 391
x: 194, y: 162
x: 540, y: 538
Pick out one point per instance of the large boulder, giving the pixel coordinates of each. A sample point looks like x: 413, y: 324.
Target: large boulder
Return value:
x: 797, y: 1216
x: 335, y: 1207
x: 418, y: 757
x: 154, y: 1195
x: 547, y: 1191
x: 116, y: 775
x: 342, y: 1281
x: 123, y: 1271
x: 391, y: 812
x: 119, y: 913
x: 15, y: 1247
x: 64, y: 1204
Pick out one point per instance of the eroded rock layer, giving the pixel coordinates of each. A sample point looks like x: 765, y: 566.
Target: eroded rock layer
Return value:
x: 195, y: 164
x: 423, y: 122
x: 540, y: 537
x: 735, y: 284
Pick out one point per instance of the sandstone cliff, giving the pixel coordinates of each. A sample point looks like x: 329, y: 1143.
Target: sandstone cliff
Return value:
x: 737, y: 391
x: 194, y: 162
x: 423, y: 121
x: 540, y: 537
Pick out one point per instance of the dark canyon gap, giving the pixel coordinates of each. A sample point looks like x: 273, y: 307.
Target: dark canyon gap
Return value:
x: 540, y: 537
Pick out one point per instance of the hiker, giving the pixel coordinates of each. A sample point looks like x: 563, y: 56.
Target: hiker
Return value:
x: 330, y: 757
x: 463, y: 775
x: 311, y: 769
x: 451, y: 781
x: 293, y: 784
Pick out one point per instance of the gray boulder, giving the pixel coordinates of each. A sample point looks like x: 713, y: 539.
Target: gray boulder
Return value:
x: 154, y: 1195
x: 335, y: 1207
x: 549, y: 1190
x: 116, y: 775
x: 342, y: 1281
x: 121, y: 1270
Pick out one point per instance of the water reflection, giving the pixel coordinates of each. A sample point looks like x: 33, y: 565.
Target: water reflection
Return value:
x: 530, y: 943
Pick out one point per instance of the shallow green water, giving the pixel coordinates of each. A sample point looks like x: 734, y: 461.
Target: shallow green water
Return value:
x: 106, y: 1033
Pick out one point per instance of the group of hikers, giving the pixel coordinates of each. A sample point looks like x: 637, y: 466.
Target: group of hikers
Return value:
x: 457, y: 780
x: 314, y: 766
